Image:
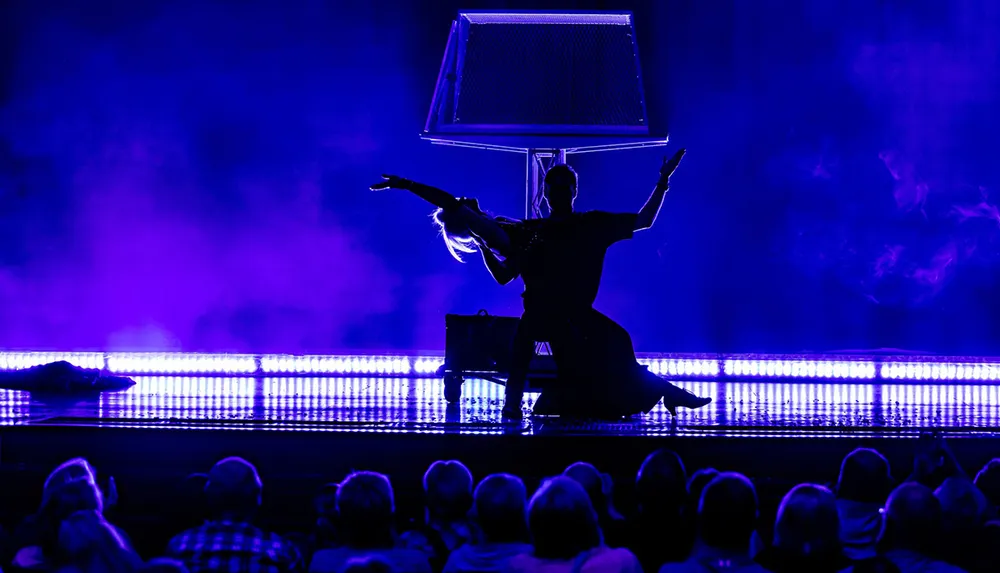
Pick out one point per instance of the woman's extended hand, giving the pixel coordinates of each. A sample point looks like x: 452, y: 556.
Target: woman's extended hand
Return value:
x: 390, y: 182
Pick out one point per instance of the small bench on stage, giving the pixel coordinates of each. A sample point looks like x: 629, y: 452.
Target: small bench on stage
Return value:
x: 480, y: 346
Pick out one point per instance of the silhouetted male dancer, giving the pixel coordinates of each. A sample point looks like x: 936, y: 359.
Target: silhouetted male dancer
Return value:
x: 560, y: 259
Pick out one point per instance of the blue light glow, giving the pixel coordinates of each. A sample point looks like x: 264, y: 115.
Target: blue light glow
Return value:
x: 671, y: 366
x: 800, y: 368
x: 361, y: 364
x: 21, y: 360
x: 151, y: 363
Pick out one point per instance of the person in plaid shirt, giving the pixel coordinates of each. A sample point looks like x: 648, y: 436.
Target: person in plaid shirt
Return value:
x: 229, y: 543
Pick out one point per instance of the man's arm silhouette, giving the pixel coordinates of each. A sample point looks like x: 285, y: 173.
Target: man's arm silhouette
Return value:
x: 503, y: 271
x: 647, y: 215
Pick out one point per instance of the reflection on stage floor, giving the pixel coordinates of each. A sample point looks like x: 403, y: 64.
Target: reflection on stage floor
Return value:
x: 417, y: 405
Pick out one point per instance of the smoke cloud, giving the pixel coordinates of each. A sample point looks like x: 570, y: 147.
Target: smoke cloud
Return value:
x: 925, y: 84
x: 168, y: 184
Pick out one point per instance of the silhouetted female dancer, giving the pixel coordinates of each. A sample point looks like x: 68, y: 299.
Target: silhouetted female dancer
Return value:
x: 560, y: 259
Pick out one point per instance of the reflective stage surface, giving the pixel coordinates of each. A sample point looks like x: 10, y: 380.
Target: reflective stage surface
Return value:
x: 417, y: 405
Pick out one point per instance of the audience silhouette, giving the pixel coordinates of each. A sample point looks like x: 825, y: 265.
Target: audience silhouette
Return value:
x: 228, y: 540
x: 662, y: 530
x: 448, y: 500
x: 706, y: 522
x: 500, y: 508
x: 911, y: 531
x: 599, y: 487
x: 366, y: 508
x: 89, y: 544
x: 727, y: 517
x: 863, y: 486
x: 806, y: 533
x: 566, y: 536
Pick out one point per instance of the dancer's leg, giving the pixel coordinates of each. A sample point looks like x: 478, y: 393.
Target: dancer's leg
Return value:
x: 630, y: 384
x: 522, y: 352
x: 540, y: 326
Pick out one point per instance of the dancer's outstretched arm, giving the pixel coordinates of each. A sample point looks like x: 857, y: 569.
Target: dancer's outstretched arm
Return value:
x: 479, y: 224
x: 432, y: 195
x: 647, y: 215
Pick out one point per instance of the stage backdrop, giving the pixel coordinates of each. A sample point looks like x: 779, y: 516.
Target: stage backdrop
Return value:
x: 192, y: 175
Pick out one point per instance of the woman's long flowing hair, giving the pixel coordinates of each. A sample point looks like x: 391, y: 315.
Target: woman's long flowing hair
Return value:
x: 456, y: 233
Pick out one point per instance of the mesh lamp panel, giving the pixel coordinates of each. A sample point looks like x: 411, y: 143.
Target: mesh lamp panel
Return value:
x: 543, y: 74
x: 540, y: 73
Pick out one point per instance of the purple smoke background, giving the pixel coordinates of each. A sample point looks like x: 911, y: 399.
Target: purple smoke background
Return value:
x: 191, y: 175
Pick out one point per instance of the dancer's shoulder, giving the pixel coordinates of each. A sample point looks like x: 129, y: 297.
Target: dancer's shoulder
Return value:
x: 598, y: 214
x: 507, y: 221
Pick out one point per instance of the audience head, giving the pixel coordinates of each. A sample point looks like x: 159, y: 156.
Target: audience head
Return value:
x: 808, y: 523
x: 864, y: 477
x: 963, y: 506
x: 233, y: 489
x: 500, y: 503
x: 370, y: 564
x: 448, y: 487
x: 366, y: 507
x: 90, y: 544
x: 64, y: 500
x: 661, y: 485
x: 562, y: 521
x: 699, y: 480
x: 192, y: 488
x: 325, y: 504
x: 592, y: 482
x: 912, y: 519
x: 66, y: 472
x: 72, y: 496
x: 727, y: 513
x: 988, y: 482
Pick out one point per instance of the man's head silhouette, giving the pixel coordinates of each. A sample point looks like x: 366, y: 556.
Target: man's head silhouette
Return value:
x: 560, y: 188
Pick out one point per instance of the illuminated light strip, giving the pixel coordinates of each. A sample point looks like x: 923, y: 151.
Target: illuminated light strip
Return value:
x: 180, y: 363
x: 800, y: 368
x: 21, y: 360
x: 427, y: 365
x: 675, y: 366
x: 691, y: 367
x: 913, y: 370
x: 360, y: 364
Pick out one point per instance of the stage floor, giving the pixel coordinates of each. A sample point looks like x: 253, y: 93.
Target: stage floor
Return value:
x: 401, y: 405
